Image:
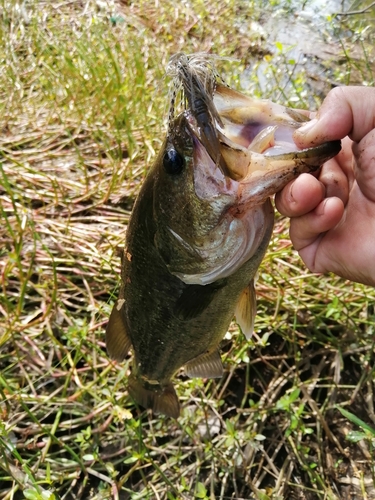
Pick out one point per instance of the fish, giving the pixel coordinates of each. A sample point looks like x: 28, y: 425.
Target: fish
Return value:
x: 199, y: 229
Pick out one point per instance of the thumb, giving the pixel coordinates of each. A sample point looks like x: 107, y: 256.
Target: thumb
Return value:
x: 345, y: 111
x: 364, y: 167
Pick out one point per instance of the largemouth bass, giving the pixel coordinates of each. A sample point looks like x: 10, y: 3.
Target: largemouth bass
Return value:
x: 199, y: 229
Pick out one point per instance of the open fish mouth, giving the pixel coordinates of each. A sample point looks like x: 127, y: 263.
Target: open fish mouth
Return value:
x: 256, y: 135
x: 242, y: 135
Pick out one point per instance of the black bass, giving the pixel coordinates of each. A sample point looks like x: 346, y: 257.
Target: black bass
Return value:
x: 199, y: 230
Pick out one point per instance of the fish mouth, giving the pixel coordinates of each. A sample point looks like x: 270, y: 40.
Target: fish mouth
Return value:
x: 238, y: 132
x: 248, y: 137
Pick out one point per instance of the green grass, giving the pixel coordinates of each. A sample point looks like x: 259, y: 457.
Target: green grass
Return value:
x: 83, y: 103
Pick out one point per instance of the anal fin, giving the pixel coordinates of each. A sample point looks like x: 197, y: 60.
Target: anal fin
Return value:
x: 246, y: 310
x: 207, y: 365
x: 117, y: 339
x: 160, y: 399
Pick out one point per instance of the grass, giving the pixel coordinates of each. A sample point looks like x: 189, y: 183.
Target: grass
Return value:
x: 83, y: 101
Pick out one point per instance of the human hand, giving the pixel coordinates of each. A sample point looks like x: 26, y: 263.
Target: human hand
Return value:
x: 333, y: 216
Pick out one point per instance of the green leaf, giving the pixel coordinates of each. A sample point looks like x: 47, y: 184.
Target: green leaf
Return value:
x: 308, y: 430
x: 262, y: 496
x: 285, y: 401
x: 293, y: 422
x: 259, y: 437
x: 355, y: 420
x: 279, y: 46
x: 230, y: 427
x: 200, y: 491
x: 31, y: 494
x: 294, y: 395
x: 355, y: 436
x: 47, y: 495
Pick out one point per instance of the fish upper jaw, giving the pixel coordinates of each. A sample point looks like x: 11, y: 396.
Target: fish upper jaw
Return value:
x: 205, y: 129
x: 209, y: 181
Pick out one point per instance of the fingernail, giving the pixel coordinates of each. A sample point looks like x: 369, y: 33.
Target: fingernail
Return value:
x: 321, y: 207
x: 291, y: 197
x: 307, y: 127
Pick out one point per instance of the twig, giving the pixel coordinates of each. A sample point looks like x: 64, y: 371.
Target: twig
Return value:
x: 355, y: 12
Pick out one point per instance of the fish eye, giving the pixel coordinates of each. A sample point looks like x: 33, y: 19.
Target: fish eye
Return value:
x: 173, y: 161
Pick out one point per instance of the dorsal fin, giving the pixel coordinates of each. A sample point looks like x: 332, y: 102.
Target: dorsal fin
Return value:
x: 117, y: 339
x: 246, y: 310
x: 207, y: 365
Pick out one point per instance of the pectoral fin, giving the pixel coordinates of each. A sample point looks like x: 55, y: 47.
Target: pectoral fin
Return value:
x: 207, y: 365
x: 246, y: 310
x: 117, y: 339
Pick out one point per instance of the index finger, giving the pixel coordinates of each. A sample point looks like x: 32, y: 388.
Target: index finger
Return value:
x: 300, y: 196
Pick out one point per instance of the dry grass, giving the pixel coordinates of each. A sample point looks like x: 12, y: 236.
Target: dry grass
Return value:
x: 82, y: 103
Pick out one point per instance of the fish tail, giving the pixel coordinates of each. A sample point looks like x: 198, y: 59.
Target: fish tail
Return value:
x: 161, y: 399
